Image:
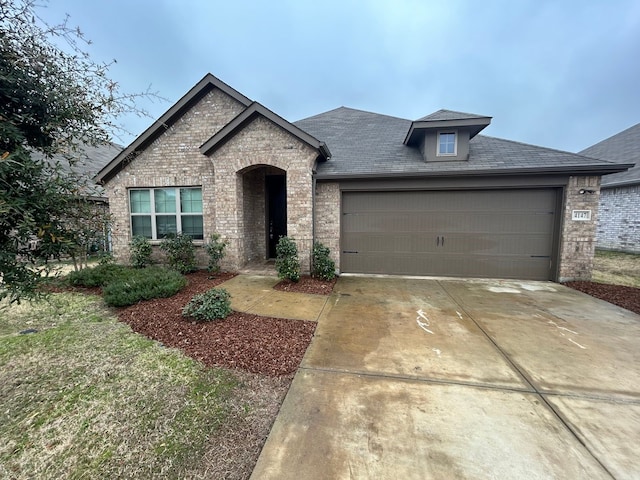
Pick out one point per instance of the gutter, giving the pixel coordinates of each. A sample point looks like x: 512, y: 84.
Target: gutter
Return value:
x: 580, y: 169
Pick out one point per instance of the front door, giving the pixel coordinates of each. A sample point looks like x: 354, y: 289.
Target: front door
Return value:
x: 276, y: 211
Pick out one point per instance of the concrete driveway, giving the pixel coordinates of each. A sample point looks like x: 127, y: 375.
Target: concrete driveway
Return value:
x: 435, y: 378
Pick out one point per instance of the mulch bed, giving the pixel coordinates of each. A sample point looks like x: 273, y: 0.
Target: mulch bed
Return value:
x: 625, y: 297
x: 307, y: 284
x: 264, y: 345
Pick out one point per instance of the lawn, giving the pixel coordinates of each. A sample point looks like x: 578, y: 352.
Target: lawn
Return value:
x: 82, y: 396
x: 617, y: 268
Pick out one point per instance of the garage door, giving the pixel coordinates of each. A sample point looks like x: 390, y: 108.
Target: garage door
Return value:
x: 475, y: 233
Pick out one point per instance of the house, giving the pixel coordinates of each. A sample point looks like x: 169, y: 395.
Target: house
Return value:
x: 619, y: 220
x: 385, y: 194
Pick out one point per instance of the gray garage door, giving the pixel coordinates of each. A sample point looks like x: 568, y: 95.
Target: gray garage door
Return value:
x: 475, y: 233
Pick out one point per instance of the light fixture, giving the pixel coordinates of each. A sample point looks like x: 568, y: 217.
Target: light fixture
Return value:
x: 582, y: 191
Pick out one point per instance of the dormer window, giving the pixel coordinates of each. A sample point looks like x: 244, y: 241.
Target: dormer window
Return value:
x: 447, y: 144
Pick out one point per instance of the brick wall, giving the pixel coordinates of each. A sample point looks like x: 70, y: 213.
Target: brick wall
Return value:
x: 328, y: 218
x: 173, y: 160
x: 619, y: 219
x: 254, y: 214
x: 577, y: 244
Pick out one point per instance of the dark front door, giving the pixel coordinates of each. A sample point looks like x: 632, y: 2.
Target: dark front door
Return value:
x: 276, y: 211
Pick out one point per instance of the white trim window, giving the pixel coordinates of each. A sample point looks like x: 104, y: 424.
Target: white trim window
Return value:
x: 158, y: 212
x: 447, y: 143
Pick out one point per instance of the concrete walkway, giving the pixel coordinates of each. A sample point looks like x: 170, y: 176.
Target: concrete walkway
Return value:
x: 434, y: 378
x: 255, y: 294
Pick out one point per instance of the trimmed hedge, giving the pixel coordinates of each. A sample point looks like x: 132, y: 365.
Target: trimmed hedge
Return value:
x: 122, y: 285
x: 143, y: 284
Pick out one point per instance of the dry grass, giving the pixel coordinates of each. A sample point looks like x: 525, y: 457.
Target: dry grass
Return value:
x: 84, y: 397
x: 617, y: 268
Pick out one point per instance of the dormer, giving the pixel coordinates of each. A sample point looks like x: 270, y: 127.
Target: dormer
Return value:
x: 444, y: 135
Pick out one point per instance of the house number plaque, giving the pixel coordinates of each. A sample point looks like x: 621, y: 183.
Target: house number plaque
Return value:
x: 581, y: 215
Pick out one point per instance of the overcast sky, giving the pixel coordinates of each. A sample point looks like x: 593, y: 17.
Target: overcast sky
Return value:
x: 563, y: 74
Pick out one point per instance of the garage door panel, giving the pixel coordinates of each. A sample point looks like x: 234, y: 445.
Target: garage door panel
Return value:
x: 451, y: 222
x: 507, y: 233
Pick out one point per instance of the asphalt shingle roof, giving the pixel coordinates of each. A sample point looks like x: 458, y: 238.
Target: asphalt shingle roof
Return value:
x: 448, y: 115
x: 623, y: 147
x: 365, y: 143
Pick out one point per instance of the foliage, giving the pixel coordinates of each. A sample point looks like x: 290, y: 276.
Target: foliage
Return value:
x: 105, y: 258
x: 52, y: 102
x: 215, y: 249
x: 143, y: 284
x: 287, y: 262
x: 181, y: 254
x: 211, y: 305
x: 141, y: 250
x: 322, y: 265
x: 98, y: 276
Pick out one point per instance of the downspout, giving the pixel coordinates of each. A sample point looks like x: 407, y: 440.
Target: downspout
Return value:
x: 313, y: 216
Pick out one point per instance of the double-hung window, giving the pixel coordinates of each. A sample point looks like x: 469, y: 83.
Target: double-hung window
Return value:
x: 158, y: 212
x: 447, y: 143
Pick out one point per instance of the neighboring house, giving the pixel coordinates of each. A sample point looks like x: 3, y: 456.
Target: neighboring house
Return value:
x: 85, y: 162
x: 619, y: 219
x: 386, y: 195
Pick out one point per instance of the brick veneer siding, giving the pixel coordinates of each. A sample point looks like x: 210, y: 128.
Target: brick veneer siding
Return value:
x: 173, y: 160
x: 327, y: 219
x: 262, y: 143
x: 577, y: 242
x: 619, y: 219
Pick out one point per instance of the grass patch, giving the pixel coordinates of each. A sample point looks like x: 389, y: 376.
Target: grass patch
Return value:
x: 616, y: 268
x: 84, y: 397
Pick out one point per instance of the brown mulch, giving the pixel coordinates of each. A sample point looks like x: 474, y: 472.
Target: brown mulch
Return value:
x: 307, y: 284
x: 625, y: 297
x: 264, y: 345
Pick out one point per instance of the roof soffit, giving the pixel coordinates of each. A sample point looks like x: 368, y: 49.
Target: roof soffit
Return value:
x: 445, y: 119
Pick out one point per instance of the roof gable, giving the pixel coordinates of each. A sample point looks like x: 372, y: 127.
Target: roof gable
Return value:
x: 249, y: 114
x: 171, y: 116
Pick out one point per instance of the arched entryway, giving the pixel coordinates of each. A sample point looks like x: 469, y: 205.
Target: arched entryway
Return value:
x: 264, y: 211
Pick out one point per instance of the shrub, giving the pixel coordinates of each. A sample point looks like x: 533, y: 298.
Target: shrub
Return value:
x: 211, y: 305
x: 215, y: 249
x: 287, y: 262
x: 143, y: 284
x: 140, y: 251
x: 98, y: 276
x: 181, y: 254
x: 322, y: 265
x: 105, y: 258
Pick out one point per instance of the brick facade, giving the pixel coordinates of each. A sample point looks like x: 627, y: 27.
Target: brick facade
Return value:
x: 577, y: 241
x: 232, y: 180
x: 619, y: 220
x: 327, y: 221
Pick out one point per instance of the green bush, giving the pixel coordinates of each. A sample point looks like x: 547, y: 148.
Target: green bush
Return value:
x: 143, y: 284
x: 322, y: 265
x: 140, y: 249
x: 211, y: 305
x: 215, y: 249
x: 181, y: 254
x: 98, y: 276
x: 287, y: 262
